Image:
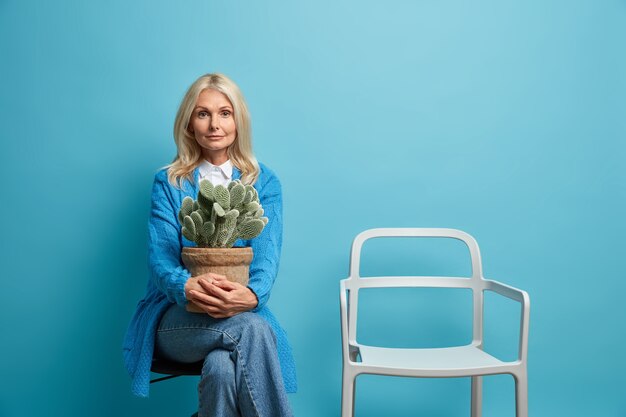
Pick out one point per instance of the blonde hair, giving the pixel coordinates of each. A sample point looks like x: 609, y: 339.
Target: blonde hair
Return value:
x: 189, y: 153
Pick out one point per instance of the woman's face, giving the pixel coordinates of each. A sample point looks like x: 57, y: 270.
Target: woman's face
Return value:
x: 213, y: 125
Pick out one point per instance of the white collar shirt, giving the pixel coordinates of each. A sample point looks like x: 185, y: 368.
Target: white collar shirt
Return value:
x: 217, y: 174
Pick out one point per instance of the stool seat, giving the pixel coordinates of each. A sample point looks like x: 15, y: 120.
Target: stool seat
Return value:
x: 174, y: 369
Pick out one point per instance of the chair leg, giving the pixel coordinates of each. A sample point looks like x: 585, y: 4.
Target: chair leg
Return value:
x: 521, y: 395
x: 347, y: 394
x: 477, y: 396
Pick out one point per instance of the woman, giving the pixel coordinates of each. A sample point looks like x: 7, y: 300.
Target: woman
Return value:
x: 248, y: 365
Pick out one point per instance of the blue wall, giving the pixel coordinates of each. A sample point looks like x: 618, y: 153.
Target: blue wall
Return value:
x: 502, y: 118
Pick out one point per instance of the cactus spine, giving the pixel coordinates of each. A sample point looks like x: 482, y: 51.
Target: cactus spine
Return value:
x: 221, y: 215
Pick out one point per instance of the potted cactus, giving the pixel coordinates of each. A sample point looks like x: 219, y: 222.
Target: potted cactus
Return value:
x: 215, y: 221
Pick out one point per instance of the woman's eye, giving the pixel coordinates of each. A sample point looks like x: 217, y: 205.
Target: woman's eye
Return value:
x: 202, y: 114
x: 225, y: 113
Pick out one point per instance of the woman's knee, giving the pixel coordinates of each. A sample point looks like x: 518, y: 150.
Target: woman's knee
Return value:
x: 256, y: 326
x: 219, y: 365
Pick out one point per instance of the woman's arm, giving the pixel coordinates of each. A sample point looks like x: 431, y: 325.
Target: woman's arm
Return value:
x: 164, y: 243
x: 267, y: 246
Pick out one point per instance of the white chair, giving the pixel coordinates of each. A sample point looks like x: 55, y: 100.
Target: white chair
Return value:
x: 449, y: 362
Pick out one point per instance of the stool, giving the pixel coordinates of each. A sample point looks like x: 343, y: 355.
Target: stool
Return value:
x: 174, y: 369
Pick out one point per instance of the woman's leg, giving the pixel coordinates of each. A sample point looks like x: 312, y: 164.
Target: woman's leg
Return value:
x: 217, y: 392
x: 251, y: 346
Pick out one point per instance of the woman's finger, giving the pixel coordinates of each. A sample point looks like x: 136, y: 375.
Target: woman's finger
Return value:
x: 206, y: 298
x: 214, y: 290
x: 217, y: 312
x: 227, y: 285
x: 217, y: 277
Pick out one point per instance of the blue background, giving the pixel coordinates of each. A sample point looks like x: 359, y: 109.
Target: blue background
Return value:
x: 502, y: 118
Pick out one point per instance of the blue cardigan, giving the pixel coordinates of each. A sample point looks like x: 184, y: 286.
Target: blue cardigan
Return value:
x: 168, y: 275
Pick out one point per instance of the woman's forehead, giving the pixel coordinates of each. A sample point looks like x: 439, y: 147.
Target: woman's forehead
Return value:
x: 213, y: 98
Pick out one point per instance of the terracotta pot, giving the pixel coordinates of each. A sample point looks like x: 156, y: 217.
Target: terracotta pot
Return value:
x: 234, y: 263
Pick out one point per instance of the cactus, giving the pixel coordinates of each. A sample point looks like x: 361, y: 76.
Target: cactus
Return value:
x: 221, y: 215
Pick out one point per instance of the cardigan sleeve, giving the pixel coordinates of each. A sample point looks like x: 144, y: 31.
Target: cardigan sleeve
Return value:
x: 267, y: 246
x: 164, y: 243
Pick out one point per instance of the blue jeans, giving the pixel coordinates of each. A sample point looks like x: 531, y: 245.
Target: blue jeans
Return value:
x: 241, y: 373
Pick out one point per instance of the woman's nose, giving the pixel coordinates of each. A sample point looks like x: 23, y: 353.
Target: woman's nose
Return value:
x: 214, y: 123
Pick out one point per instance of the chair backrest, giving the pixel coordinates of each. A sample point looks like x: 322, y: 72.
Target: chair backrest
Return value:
x: 476, y: 282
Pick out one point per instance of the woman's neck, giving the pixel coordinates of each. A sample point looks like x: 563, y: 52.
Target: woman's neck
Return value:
x: 216, y: 159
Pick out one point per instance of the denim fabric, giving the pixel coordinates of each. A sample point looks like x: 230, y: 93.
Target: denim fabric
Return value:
x: 241, y: 373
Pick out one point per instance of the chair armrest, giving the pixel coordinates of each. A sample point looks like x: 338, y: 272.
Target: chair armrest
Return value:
x: 343, y: 304
x: 506, y: 291
x: 350, y: 353
x: 524, y: 300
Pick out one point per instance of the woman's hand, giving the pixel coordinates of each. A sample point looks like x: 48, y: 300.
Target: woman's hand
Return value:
x: 219, y: 297
x: 192, y: 284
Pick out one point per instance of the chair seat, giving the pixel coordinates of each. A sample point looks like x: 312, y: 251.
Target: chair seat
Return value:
x: 456, y: 359
x: 161, y: 366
